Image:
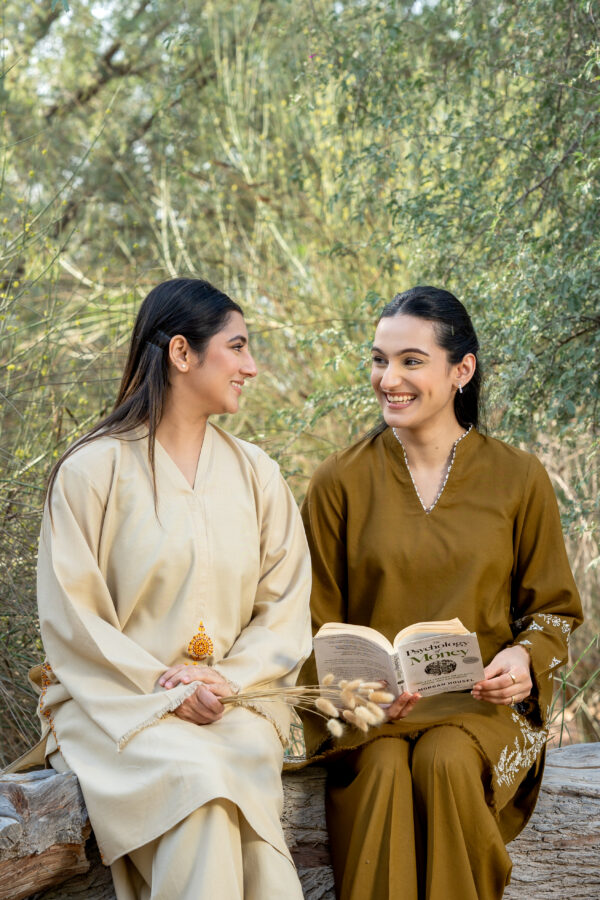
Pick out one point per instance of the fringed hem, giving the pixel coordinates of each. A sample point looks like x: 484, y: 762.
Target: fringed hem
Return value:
x: 232, y: 684
x: 171, y: 705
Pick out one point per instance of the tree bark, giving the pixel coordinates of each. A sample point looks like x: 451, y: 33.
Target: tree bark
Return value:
x: 47, y: 852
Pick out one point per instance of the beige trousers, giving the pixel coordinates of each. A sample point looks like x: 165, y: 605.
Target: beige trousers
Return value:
x: 213, y: 853
x: 409, y: 819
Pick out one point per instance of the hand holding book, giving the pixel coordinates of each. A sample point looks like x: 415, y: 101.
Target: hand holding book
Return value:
x: 426, y: 658
x: 507, y: 678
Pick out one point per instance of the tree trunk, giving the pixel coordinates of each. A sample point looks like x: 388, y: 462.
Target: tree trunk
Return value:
x: 47, y: 852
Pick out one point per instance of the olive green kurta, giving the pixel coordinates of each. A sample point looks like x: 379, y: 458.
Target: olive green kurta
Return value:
x: 490, y: 552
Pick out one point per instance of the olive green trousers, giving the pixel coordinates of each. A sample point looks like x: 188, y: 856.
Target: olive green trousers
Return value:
x: 409, y: 820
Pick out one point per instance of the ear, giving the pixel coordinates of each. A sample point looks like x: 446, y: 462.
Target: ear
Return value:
x: 179, y: 353
x: 465, y: 370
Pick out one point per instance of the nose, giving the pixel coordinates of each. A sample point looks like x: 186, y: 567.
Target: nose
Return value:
x: 249, y: 366
x: 391, y: 378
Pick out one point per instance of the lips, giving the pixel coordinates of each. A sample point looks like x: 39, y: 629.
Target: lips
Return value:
x: 400, y: 399
x: 237, y: 386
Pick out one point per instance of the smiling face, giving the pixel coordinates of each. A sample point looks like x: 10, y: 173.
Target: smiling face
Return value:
x: 213, y: 384
x: 412, y: 377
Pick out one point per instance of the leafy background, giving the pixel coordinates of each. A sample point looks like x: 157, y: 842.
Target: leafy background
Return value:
x: 312, y: 160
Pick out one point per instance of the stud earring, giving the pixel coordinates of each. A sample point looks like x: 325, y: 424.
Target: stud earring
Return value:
x: 184, y: 368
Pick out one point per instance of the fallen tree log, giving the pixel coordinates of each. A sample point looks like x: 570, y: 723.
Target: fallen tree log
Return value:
x: 48, y: 853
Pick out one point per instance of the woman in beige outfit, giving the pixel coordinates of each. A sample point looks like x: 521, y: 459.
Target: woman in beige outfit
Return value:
x: 173, y: 571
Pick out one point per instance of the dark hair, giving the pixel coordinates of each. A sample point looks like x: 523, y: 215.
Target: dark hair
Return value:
x: 187, y: 306
x: 454, y: 333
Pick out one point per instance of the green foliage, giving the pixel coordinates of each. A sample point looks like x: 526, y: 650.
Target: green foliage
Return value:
x: 312, y: 159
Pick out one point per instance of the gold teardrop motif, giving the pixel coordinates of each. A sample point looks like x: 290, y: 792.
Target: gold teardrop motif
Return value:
x: 200, y: 645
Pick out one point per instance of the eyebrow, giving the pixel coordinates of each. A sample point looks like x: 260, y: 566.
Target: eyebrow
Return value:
x: 238, y: 337
x: 401, y: 352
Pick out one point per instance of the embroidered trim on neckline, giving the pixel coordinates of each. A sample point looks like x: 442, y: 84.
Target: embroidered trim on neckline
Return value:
x: 429, y: 509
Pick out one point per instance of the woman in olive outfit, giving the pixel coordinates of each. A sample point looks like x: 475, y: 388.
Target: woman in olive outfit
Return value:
x: 427, y: 518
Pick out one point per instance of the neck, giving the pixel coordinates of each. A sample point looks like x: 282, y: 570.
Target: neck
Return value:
x: 179, y: 427
x: 429, y: 446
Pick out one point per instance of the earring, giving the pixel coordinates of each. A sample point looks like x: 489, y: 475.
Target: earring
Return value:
x: 460, y: 388
x: 184, y: 368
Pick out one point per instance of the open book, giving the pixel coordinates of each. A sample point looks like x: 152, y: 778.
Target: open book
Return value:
x: 428, y: 657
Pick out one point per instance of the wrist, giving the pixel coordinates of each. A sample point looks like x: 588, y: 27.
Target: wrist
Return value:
x: 523, y: 653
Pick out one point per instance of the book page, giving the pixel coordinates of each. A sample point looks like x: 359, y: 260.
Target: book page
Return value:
x: 421, y: 630
x: 362, y: 631
x: 349, y: 656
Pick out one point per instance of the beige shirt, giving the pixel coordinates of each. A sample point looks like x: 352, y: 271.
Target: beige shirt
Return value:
x: 123, y: 586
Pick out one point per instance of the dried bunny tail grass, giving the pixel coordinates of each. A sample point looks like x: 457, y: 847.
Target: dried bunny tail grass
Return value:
x: 360, y: 699
x: 327, y: 707
x: 335, y: 727
x: 365, y: 715
x: 372, y: 686
x: 349, y: 716
x: 377, y: 711
x: 348, y: 698
x: 381, y: 697
x: 357, y: 698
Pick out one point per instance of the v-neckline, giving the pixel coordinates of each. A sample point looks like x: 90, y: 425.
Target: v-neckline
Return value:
x: 429, y: 509
x: 176, y: 473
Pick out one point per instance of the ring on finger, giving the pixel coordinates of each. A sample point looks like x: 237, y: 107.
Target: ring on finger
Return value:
x: 514, y: 680
x: 512, y: 701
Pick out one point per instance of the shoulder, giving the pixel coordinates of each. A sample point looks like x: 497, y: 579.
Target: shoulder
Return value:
x: 94, y: 465
x: 98, y: 453
x: 346, y: 467
x: 520, y: 463
x: 248, y: 455
x: 503, y: 470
